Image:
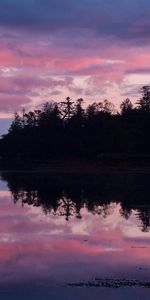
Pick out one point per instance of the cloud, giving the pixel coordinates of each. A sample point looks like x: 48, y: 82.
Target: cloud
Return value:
x: 12, y: 103
x: 54, y: 48
x: 145, y: 70
x: 124, y: 19
x: 18, y: 88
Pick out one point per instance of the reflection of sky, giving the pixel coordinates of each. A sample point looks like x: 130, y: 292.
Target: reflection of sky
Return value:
x: 37, y: 248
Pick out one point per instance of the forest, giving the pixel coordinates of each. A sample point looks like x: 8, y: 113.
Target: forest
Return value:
x: 67, y: 129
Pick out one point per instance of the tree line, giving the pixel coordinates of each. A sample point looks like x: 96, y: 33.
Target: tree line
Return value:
x: 66, y: 196
x: 67, y: 129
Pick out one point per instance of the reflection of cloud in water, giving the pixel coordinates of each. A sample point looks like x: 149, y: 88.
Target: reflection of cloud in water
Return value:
x: 43, y: 247
x: 4, y: 193
x: 32, y: 228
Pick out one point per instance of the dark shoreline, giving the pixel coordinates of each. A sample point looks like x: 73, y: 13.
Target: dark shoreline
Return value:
x: 76, y: 166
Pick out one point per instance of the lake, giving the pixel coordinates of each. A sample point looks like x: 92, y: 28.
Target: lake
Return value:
x: 71, y: 236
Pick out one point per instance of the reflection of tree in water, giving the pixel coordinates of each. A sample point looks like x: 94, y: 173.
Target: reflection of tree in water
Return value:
x: 66, y: 207
x: 125, y: 212
x: 103, y: 210
x: 30, y: 197
x: 67, y: 198
x: 144, y: 215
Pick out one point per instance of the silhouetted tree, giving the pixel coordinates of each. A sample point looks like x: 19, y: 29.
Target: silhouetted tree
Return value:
x: 126, y: 106
x: 66, y: 129
x: 144, y: 102
x: 108, y: 107
x: 67, y: 108
x: 16, y: 125
x: 79, y: 111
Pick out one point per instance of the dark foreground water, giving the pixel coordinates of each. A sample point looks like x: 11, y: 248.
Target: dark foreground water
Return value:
x: 75, y: 237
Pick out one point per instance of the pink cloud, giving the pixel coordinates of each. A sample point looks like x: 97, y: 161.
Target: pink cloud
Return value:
x: 12, y: 103
x: 36, y: 68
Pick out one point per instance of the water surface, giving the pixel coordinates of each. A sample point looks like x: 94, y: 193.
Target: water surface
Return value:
x: 59, y: 235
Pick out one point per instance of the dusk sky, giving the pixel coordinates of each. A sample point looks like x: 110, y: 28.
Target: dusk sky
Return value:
x: 51, y: 49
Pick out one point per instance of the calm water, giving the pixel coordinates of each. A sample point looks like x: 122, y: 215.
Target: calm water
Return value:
x: 62, y: 230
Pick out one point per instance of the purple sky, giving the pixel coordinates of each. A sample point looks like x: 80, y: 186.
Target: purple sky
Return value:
x: 50, y: 49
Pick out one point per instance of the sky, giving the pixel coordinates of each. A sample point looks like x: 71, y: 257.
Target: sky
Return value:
x: 51, y: 49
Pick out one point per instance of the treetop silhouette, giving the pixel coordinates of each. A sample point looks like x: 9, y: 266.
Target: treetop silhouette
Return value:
x: 67, y: 129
